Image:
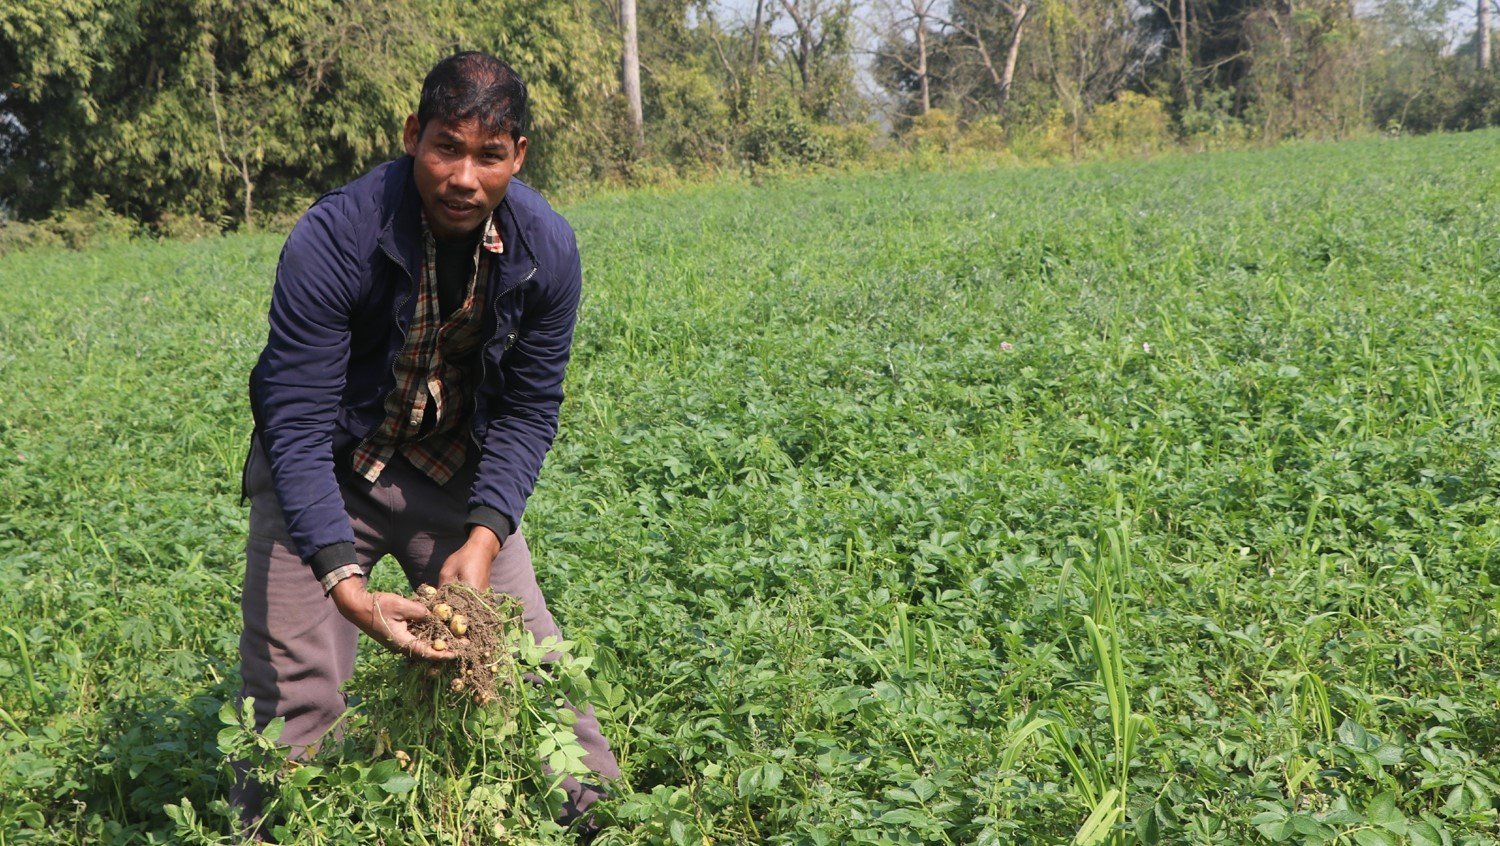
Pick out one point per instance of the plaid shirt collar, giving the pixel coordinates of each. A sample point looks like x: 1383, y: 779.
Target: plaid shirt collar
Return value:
x: 490, y: 241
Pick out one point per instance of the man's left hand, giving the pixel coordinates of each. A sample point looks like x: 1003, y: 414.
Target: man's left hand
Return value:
x: 470, y: 564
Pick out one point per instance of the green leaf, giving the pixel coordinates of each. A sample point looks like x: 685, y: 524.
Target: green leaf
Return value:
x: 1099, y: 823
x: 30, y: 814
x: 1148, y: 828
x: 1422, y: 833
x: 398, y: 784
x: 772, y: 777
x: 181, y: 815
x: 383, y: 770
x: 304, y: 775
x: 1457, y: 802
x: 1354, y: 736
x: 1382, y: 811
x: 757, y: 780
x: 1375, y: 837
x: 906, y: 817
x: 1306, y: 824
x: 1388, y: 754
x: 1483, y: 790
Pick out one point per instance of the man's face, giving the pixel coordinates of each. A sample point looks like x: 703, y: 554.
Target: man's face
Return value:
x: 461, y: 172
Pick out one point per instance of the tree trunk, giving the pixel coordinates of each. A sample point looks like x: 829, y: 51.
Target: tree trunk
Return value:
x: 989, y: 68
x: 760, y: 8
x: 630, y: 71
x: 804, y: 59
x: 922, y: 60
x: 243, y: 163
x: 1184, y: 64
x: 804, y: 43
x: 1484, y: 34
x: 249, y: 191
x: 1012, y: 50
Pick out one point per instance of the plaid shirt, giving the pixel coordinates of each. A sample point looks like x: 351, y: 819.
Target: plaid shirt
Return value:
x: 424, y: 414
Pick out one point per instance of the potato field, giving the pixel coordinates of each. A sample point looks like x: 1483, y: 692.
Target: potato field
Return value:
x: 1133, y: 503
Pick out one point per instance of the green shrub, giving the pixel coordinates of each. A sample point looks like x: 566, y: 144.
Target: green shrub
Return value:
x: 18, y: 235
x: 1052, y: 137
x: 187, y: 227
x: 1212, y: 124
x: 851, y: 142
x: 1480, y: 104
x: 936, y: 131
x: 88, y: 225
x: 985, y: 134
x: 1131, y: 123
x: 688, y: 122
x: 780, y: 134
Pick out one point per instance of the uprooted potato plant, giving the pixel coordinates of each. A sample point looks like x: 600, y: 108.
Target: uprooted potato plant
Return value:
x: 470, y: 626
x: 467, y: 750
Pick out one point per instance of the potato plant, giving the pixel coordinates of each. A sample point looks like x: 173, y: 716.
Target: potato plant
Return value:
x: 420, y: 759
x: 472, y: 628
x: 1138, y: 502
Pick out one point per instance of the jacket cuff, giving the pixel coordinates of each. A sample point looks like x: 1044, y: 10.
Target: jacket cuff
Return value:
x: 483, y: 515
x: 330, y: 558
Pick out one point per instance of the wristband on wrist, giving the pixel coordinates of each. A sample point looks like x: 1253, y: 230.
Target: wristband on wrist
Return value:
x: 338, y: 574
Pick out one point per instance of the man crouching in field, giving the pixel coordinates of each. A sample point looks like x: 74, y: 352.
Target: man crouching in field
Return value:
x: 408, y: 391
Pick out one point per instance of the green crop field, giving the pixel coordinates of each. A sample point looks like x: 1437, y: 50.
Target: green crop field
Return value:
x: 1133, y: 503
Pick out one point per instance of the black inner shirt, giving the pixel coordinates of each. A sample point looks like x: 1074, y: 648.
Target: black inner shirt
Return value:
x: 455, y: 267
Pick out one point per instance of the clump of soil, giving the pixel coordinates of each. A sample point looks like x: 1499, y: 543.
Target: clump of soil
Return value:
x: 474, y: 628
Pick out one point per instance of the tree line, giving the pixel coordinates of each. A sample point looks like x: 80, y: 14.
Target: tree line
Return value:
x: 184, y: 114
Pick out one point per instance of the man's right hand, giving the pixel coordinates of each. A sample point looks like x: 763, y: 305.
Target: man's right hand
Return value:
x: 384, y: 617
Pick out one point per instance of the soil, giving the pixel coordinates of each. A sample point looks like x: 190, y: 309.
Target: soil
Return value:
x: 481, y: 658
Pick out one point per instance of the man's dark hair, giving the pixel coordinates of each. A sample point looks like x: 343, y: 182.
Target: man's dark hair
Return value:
x: 474, y: 85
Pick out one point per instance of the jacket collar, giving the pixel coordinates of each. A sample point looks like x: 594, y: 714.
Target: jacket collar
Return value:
x: 519, y: 262
x: 400, y: 233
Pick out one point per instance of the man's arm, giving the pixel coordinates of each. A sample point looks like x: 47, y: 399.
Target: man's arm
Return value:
x: 297, y: 384
x: 296, y: 390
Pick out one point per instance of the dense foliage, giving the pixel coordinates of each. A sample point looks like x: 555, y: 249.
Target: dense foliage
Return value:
x: 191, y: 116
x: 1153, y: 502
x: 208, y: 109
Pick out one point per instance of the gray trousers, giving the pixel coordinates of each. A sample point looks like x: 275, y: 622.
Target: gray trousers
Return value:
x: 297, y: 650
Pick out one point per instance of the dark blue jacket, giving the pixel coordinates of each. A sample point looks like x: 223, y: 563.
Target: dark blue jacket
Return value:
x: 345, y: 294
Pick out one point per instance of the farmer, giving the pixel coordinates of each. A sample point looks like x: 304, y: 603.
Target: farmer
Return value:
x: 408, y: 390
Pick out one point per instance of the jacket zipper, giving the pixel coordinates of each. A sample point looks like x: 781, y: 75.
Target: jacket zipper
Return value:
x: 495, y: 307
x: 410, y: 283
